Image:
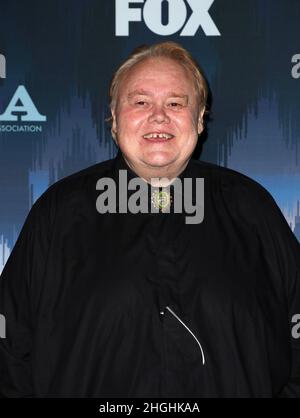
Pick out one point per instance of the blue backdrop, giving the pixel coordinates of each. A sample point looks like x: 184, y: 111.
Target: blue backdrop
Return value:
x: 56, y: 60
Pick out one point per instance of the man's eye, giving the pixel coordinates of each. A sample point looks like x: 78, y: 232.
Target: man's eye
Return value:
x: 175, y: 105
x: 141, y: 103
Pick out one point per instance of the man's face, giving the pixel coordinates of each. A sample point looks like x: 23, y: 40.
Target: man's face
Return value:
x: 156, y: 118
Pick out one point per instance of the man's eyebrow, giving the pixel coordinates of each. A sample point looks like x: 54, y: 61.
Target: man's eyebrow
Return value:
x: 148, y: 93
x: 138, y: 93
x: 177, y: 95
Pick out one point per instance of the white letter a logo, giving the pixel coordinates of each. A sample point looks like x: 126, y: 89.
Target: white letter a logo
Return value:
x: 27, y: 106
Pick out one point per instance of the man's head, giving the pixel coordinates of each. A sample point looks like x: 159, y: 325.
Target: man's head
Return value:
x: 157, y: 100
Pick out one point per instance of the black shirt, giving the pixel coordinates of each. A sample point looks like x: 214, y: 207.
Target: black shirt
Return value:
x: 146, y: 305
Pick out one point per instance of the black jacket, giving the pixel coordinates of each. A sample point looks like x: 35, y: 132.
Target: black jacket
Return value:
x: 146, y: 305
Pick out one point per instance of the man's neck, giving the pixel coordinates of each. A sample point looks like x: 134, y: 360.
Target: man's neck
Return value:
x: 157, y: 176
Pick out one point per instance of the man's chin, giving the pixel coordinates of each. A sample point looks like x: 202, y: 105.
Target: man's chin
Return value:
x: 159, y: 160
x: 157, y: 164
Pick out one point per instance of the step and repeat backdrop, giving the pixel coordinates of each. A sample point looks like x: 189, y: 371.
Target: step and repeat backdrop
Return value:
x: 56, y: 61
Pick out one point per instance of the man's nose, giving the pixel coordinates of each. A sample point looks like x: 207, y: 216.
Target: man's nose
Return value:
x: 158, y: 114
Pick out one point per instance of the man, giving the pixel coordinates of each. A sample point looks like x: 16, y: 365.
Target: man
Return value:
x: 102, y: 299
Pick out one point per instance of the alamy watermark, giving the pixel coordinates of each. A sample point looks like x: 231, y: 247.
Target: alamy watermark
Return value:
x: 114, y: 198
x: 295, y: 71
x: 296, y: 328
x: 2, y: 326
x: 2, y: 66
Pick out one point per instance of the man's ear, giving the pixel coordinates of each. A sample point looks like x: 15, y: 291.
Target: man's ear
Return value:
x: 114, y: 125
x: 200, y: 121
x: 113, y: 121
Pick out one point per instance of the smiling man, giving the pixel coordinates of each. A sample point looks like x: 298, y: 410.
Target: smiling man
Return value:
x: 122, y: 303
x: 157, y: 116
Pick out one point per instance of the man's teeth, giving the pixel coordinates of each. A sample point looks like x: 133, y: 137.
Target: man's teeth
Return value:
x: 162, y: 135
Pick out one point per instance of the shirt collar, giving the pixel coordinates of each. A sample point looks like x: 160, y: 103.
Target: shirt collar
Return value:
x: 119, y: 163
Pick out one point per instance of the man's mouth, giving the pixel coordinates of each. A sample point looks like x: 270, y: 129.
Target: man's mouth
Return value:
x: 158, y: 136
